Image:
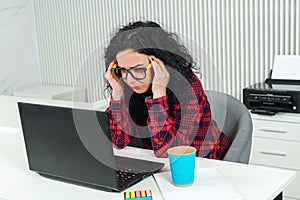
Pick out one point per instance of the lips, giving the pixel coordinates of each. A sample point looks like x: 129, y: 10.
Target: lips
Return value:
x: 135, y: 87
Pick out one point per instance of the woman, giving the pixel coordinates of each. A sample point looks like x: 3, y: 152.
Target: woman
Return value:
x: 157, y: 102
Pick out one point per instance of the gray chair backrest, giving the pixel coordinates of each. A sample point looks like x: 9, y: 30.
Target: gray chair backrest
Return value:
x: 234, y: 120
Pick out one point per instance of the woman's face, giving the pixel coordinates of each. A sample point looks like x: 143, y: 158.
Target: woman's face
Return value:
x: 130, y: 60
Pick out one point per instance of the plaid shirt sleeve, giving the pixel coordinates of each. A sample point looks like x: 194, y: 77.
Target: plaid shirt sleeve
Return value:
x: 189, y: 123
x: 119, y: 123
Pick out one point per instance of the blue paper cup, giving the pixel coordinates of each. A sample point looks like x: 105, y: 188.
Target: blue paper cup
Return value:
x: 182, y: 165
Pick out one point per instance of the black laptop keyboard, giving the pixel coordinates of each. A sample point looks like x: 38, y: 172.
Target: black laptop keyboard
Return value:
x: 124, y: 175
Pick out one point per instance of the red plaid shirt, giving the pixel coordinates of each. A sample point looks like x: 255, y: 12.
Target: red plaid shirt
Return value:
x: 189, y: 123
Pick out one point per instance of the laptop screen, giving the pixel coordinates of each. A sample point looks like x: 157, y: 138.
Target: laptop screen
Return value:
x: 68, y: 143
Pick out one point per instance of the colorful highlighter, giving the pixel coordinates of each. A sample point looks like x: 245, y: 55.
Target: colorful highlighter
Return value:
x: 138, y: 195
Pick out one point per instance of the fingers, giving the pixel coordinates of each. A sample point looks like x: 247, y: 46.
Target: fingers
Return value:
x: 109, y: 74
x: 158, y: 66
x: 153, y: 60
x: 161, y: 74
x: 111, y: 65
x: 160, y: 79
x: 116, y: 84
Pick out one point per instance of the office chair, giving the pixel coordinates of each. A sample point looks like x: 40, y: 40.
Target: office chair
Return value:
x: 235, y: 122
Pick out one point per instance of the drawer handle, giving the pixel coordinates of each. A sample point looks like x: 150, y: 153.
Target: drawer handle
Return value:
x: 272, y: 130
x: 273, y: 153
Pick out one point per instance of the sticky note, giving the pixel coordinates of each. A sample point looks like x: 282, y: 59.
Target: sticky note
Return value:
x: 127, y: 195
x: 143, y: 193
x: 138, y: 195
x: 148, y: 193
x: 132, y: 194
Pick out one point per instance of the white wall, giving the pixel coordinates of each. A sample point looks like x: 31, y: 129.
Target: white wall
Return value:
x: 19, y: 66
x: 232, y: 41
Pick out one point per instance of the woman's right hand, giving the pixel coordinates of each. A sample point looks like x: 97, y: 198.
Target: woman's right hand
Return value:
x: 116, y: 83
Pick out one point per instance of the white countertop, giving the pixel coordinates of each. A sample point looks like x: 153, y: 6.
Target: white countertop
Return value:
x: 9, y: 115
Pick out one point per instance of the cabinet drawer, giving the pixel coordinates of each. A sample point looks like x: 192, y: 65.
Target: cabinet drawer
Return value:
x: 277, y: 130
x: 292, y: 190
x: 276, y: 153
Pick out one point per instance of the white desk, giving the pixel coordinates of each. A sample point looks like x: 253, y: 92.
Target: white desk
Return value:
x: 17, y: 182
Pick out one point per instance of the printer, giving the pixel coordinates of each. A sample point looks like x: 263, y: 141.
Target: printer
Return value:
x: 278, y: 93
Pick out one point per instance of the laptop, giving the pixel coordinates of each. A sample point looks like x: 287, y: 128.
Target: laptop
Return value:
x: 74, y: 145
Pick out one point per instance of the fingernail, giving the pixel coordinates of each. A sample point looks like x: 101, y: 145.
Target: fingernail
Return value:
x: 150, y: 57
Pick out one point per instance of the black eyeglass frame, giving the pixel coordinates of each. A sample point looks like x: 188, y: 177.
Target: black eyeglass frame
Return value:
x: 115, y: 68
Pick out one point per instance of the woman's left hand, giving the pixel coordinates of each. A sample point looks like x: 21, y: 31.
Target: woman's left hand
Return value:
x: 161, y: 77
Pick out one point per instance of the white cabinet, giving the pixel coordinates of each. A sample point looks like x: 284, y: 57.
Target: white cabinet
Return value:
x: 276, y: 142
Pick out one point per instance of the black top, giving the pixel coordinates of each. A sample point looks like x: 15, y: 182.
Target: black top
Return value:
x: 139, y: 114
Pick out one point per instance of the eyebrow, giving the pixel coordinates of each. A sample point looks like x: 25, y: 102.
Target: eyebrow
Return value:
x: 138, y: 65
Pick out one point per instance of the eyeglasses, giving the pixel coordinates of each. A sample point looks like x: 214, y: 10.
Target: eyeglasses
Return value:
x: 136, y: 73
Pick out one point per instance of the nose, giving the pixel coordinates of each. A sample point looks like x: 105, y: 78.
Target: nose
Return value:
x: 130, y: 79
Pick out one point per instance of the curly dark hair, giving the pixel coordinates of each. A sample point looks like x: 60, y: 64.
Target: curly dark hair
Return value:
x: 150, y: 39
